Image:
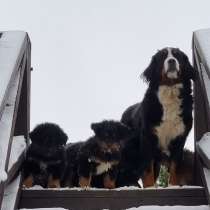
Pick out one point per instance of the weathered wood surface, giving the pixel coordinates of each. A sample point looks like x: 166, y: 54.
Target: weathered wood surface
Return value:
x: 11, y: 195
x: 110, y: 199
x: 14, y: 97
x: 201, y: 61
x: 12, y: 46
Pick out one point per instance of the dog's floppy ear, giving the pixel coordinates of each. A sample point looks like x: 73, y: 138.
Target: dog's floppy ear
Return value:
x: 150, y: 72
x: 189, y: 71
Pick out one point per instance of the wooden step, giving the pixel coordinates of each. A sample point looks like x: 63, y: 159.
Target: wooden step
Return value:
x: 111, y: 199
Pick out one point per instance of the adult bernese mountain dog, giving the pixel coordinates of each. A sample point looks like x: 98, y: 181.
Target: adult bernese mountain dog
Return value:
x: 164, y: 118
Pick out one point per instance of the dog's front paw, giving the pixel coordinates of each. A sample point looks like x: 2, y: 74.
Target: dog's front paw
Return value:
x: 53, y: 183
x: 84, y: 182
x: 28, y: 182
x: 109, y: 183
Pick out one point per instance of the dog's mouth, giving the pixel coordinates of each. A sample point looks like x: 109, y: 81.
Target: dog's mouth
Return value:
x: 171, y: 68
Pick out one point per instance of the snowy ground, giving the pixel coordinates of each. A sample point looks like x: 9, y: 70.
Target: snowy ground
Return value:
x: 171, y: 208
x: 150, y: 208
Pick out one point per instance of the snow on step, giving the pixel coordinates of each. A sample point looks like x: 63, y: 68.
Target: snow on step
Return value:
x: 45, y: 209
x: 6, y: 126
x: 18, y: 146
x: 11, y: 45
x: 171, y: 208
x: 204, y: 145
x: 202, y: 38
x: 10, y: 194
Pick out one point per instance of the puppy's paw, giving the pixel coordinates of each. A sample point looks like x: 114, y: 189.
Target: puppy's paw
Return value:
x: 109, y: 183
x: 28, y: 182
x: 84, y: 182
x: 53, y: 183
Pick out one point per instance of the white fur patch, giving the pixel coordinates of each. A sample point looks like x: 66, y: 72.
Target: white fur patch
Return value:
x: 172, y: 124
x: 171, y: 75
x: 103, y: 167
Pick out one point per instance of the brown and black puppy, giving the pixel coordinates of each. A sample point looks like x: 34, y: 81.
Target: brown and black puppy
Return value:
x: 45, y: 160
x: 96, y: 160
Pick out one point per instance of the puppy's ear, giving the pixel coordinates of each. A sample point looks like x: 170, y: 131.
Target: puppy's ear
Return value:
x: 150, y: 72
x: 96, y: 127
x: 63, y: 137
x: 189, y: 71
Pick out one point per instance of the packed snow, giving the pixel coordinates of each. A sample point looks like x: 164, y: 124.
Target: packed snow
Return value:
x: 10, y: 194
x: 6, y: 125
x: 171, y: 208
x: 204, y: 144
x: 38, y: 187
x: 203, y: 40
x: 18, y: 147
x: 10, y: 47
x: 45, y: 209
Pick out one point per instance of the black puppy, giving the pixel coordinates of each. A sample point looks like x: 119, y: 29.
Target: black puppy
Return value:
x: 45, y: 160
x: 96, y: 160
x: 164, y: 117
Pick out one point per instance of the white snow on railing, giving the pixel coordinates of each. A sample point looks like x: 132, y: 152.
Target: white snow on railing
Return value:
x: 10, y: 194
x: 171, y: 208
x: 10, y: 48
x: 18, y: 146
x: 204, y: 144
x: 203, y: 38
x: 6, y: 126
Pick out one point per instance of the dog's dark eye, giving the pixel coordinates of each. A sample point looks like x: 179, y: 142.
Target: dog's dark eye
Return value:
x: 175, y: 51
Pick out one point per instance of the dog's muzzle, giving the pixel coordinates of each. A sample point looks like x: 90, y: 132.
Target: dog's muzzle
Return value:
x: 171, y: 68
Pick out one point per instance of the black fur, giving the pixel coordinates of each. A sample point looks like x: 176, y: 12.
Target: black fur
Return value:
x: 144, y: 116
x: 45, y: 156
x: 104, y: 147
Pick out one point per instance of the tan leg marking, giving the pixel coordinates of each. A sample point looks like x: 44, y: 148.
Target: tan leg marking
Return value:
x: 148, y: 178
x: 28, y: 182
x: 108, y: 182
x: 173, y: 174
x: 85, y: 181
x: 53, y: 183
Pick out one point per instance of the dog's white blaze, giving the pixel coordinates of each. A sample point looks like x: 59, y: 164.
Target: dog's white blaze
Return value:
x: 103, y: 167
x: 172, y: 124
x: 170, y: 55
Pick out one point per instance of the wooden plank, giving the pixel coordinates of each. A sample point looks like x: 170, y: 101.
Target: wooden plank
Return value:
x: 200, y: 112
x: 203, y: 156
x: 16, y: 157
x: 22, y: 126
x: 201, y: 39
x: 111, y: 199
x: 11, y: 195
x: 6, y: 121
x: 12, y: 46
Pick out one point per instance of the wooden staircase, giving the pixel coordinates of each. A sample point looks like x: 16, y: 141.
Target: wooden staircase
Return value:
x: 15, y: 52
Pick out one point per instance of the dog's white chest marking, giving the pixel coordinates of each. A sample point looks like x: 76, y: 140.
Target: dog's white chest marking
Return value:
x: 172, y: 124
x: 103, y: 167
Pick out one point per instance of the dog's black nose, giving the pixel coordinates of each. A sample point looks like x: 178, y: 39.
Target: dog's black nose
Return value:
x: 171, y: 61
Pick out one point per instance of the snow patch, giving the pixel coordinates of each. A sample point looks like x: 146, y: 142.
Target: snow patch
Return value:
x: 204, y: 144
x: 45, y: 209
x: 3, y: 175
x: 10, y: 194
x: 18, y: 146
x: 171, y: 208
x: 37, y: 187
